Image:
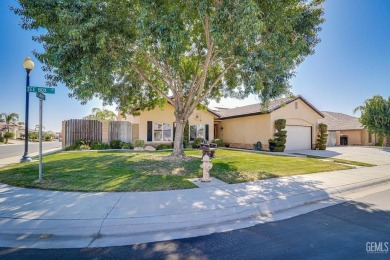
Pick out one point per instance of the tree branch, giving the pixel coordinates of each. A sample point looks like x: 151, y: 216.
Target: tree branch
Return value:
x: 142, y: 75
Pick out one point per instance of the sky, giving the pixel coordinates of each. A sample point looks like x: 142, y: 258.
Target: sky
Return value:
x: 350, y: 64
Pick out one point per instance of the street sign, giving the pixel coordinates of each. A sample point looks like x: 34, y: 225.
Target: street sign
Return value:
x: 41, y: 90
x: 41, y: 96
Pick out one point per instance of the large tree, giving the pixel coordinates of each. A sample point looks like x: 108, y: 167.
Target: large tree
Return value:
x: 375, y: 115
x: 140, y: 54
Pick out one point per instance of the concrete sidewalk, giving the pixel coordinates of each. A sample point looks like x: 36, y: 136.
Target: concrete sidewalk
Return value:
x: 47, y: 219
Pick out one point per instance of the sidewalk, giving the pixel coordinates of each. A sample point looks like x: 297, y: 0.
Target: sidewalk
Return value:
x: 47, y: 219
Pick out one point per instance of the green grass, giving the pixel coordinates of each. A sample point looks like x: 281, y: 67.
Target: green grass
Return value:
x: 135, y: 171
x: 356, y: 163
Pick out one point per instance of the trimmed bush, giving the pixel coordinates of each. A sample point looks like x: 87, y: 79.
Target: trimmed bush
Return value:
x: 97, y: 145
x: 163, y: 146
x: 72, y: 147
x: 219, y: 142
x: 84, y: 147
x: 127, y: 146
x: 116, y: 144
x: 196, y: 143
x: 322, y: 137
x: 8, y: 135
x: 280, y: 135
x: 139, y: 143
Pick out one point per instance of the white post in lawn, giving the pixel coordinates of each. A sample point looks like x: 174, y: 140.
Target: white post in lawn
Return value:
x: 206, y: 166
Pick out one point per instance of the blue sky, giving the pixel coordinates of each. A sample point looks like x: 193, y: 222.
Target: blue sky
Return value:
x: 351, y: 64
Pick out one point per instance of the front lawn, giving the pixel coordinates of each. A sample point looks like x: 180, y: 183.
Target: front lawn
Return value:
x: 143, y: 171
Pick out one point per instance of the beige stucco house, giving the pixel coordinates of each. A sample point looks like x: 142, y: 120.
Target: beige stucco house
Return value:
x: 239, y: 127
x: 346, y: 130
x: 14, y: 128
x: 157, y: 126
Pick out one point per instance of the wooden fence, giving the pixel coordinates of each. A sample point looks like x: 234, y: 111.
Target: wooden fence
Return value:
x: 93, y: 130
x: 120, y: 130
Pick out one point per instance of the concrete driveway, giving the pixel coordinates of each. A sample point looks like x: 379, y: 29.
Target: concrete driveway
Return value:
x: 374, y: 155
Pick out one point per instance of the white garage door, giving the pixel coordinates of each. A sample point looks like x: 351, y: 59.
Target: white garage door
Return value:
x: 298, y: 137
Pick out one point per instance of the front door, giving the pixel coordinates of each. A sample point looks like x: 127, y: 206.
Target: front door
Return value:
x: 343, y: 140
x: 215, y: 131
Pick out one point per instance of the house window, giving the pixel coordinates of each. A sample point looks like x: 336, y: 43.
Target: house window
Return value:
x: 197, y: 131
x: 162, y: 132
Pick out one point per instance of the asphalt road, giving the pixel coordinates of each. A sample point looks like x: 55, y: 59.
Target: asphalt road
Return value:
x: 357, y: 229
x: 7, y: 151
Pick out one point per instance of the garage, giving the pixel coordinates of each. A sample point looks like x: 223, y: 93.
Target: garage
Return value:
x: 298, y: 137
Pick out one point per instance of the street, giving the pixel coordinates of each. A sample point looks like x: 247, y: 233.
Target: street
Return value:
x: 7, y: 151
x: 356, y: 229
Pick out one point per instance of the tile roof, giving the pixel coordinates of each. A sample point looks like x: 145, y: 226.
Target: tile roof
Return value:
x: 257, y: 109
x: 339, y: 121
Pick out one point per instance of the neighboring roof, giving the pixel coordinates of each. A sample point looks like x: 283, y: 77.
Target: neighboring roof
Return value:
x: 257, y: 109
x: 338, y: 121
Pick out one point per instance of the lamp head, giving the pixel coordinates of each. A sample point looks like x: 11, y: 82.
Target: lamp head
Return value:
x: 28, y: 64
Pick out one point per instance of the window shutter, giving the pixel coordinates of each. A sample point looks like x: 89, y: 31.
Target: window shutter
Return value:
x: 174, y: 130
x: 150, y: 131
x: 207, y: 132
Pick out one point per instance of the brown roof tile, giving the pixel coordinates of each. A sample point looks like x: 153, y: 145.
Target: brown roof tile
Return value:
x: 338, y: 121
x: 256, y: 109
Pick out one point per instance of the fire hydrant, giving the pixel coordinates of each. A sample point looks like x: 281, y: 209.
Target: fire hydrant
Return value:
x: 206, y: 166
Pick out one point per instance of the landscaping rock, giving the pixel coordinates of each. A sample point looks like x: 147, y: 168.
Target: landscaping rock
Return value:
x: 139, y: 149
x: 149, y: 148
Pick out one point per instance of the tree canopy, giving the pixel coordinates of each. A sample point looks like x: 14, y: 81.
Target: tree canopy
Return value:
x: 375, y: 115
x: 103, y: 115
x: 139, y: 54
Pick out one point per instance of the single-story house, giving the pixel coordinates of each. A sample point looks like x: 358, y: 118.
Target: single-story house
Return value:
x: 157, y: 126
x: 239, y: 127
x: 346, y: 130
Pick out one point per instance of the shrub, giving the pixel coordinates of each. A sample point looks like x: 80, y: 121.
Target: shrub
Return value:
x: 8, y: 135
x: 219, y: 142
x: 97, y: 145
x: 127, y: 146
x: 48, y: 138
x: 1, y: 139
x: 196, y: 143
x: 84, y: 147
x: 116, y: 144
x: 82, y: 142
x: 72, y: 147
x: 163, y: 146
x: 322, y: 136
x: 280, y: 135
x: 139, y: 143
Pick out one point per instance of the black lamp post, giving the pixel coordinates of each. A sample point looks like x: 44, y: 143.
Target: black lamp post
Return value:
x: 28, y: 65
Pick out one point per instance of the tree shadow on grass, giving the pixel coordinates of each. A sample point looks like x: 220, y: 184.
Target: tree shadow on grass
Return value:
x: 230, y: 174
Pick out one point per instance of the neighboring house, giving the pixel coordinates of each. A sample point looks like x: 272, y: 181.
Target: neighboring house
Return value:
x: 239, y: 127
x: 346, y: 130
x: 14, y: 128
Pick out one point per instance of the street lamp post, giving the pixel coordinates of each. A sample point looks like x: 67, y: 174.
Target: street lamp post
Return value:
x: 28, y: 65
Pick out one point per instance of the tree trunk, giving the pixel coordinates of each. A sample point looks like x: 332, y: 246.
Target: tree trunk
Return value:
x: 178, y: 152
